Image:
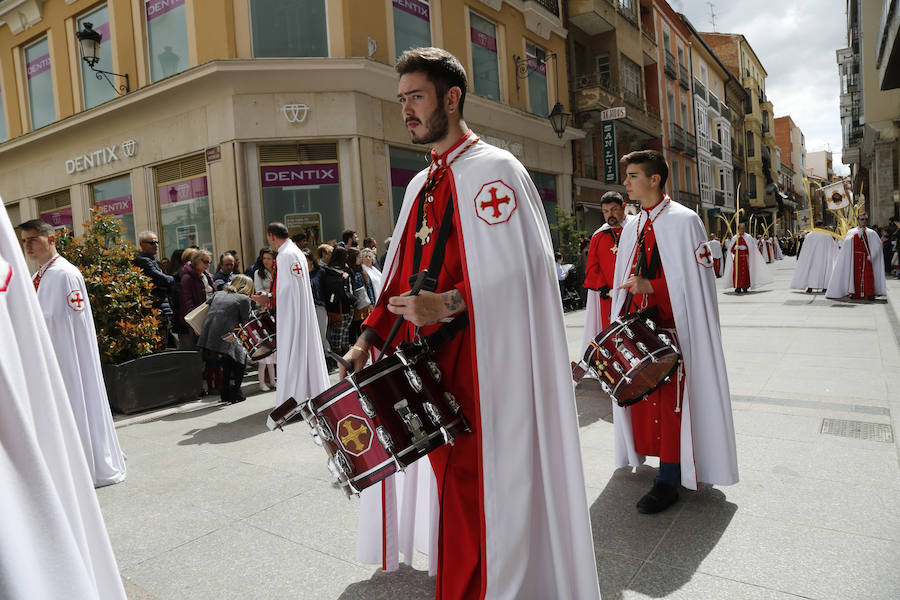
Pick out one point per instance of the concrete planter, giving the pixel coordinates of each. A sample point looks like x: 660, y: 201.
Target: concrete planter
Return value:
x: 153, y: 381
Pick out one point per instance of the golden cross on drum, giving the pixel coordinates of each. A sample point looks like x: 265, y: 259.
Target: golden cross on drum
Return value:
x: 353, y: 435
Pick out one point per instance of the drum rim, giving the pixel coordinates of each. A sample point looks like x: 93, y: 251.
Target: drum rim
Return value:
x: 659, y: 384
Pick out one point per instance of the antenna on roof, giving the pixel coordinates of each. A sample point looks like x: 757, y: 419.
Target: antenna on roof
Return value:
x: 712, y: 14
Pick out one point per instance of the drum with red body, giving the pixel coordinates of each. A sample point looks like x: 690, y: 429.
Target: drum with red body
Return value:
x: 380, y: 419
x: 258, y: 335
x: 630, y: 357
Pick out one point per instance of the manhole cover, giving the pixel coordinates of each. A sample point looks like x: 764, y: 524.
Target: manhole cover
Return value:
x: 861, y: 430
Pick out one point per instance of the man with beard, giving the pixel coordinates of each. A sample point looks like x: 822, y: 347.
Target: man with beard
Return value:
x: 601, y: 265
x: 513, y: 514
x: 665, y: 268
x: 858, y: 269
x: 745, y: 266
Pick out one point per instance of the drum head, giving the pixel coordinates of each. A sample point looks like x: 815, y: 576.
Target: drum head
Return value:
x: 647, y: 377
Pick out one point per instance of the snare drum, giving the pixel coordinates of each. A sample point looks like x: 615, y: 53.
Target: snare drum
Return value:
x: 631, y: 357
x: 380, y: 419
x: 258, y: 335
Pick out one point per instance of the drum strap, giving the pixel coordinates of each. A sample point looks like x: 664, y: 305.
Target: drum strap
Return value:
x: 642, y: 268
x: 437, y: 258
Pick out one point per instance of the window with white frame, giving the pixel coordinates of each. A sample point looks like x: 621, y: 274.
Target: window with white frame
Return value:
x: 681, y: 56
x: 536, y: 58
x: 675, y: 177
x: 688, y: 178
x: 40, y: 83
x: 295, y: 28
x: 167, y: 39
x: 670, y: 102
x: 722, y: 180
x: 603, y: 74
x: 685, y: 122
x: 705, y: 180
x: 485, y: 59
x: 703, y: 75
x: 97, y: 91
x: 702, y: 129
x: 412, y: 24
x: 632, y: 81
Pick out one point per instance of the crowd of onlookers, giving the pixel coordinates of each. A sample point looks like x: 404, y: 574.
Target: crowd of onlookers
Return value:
x: 345, y: 280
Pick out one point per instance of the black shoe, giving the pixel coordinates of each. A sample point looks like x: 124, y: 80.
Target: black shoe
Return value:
x: 870, y: 298
x: 658, y: 499
x: 809, y: 290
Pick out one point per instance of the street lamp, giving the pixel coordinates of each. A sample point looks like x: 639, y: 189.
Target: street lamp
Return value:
x: 89, y: 43
x: 559, y: 118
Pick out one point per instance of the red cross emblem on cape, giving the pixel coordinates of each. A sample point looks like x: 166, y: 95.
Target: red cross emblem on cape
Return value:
x: 354, y: 434
x: 76, y: 300
x: 297, y: 270
x: 495, y: 202
x: 5, y: 275
x: 703, y: 255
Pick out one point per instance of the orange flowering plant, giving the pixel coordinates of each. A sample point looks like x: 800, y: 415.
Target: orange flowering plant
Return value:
x: 120, y: 293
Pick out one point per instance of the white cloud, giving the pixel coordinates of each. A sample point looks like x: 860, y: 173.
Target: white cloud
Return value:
x: 796, y: 43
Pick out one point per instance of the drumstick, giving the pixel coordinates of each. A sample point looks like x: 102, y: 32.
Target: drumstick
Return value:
x: 341, y: 360
x: 417, y: 286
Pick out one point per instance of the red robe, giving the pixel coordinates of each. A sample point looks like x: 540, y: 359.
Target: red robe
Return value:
x: 863, y: 276
x: 601, y: 267
x: 655, y: 421
x: 456, y: 467
x: 741, y: 275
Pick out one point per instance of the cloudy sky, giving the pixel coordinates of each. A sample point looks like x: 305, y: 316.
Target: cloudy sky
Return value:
x: 796, y: 43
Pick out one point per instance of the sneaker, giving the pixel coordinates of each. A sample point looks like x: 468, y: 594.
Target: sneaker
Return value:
x: 263, y: 387
x: 660, y: 497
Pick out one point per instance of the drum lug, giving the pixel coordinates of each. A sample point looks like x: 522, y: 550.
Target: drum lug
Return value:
x: 434, y: 414
x: 387, y: 443
x: 323, y: 430
x: 631, y: 358
x: 415, y: 381
x: 643, y: 348
x: 605, y: 387
x: 413, y: 423
x: 434, y: 370
x: 650, y: 324
x: 604, y: 352
x: 664, y: 339
x: 628, y: 332
x: 450, y: 399
x: 619, y: 369
x: 366, y: 405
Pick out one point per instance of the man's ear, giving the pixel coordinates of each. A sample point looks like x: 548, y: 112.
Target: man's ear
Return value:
x: 452, y: 98
x: 655, y: 181
x: 52, y: 239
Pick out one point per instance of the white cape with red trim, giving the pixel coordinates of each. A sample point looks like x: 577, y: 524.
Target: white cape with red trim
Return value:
x: 302, y: 373
x: 593, y: 324
x: 54, y: 543
x: 842, y: 277
x: 708, y: 452
x: 64, y: 301
x: 760, y: 274
x: 779, y: 255
x: 538, y: 541
x: 815, y: 262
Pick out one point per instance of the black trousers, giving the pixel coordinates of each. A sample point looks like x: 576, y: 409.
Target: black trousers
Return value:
x: 232, y: 376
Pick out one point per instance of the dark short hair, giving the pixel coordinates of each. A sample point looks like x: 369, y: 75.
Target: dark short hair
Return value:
x: 819, y: 224
x: 612, y: 198
x: 440, y: 67
x: 651, y: 161
x: 279, y: 230
x: 368, y: 241
x: 40, y: 226
x: 558, y: 255
x: 347, y: 235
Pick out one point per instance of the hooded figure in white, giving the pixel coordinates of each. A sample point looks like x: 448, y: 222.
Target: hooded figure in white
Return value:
x: 54, y: 543
x: 64, y: 302
x: 815, y: 262
x: 760, y: 274
x: 844, y: 277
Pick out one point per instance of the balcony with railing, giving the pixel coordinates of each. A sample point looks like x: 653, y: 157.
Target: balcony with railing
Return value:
x: 713, y: 102
x: 633, y: 99
x: 720, y: 198
x: 670, y: 69
x: 699, y: 89
x: 689, y: 199
x: 676, y: 137
x: 715, y: 148
x: 551, y: 6
x: 595, y: 91
x: 725, y: 112
x: 690, y: 144
x: 684, y: 79
x: 626, y: 8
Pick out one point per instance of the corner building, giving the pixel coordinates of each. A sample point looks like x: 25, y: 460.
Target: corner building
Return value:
x: 244, y: 112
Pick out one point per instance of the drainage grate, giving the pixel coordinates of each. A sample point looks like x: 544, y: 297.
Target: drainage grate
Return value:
x: 861, y: 430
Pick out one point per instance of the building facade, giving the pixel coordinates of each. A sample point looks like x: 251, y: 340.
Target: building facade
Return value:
x: 259, y: 111
x: 613, y: 54
x: 792, y: 144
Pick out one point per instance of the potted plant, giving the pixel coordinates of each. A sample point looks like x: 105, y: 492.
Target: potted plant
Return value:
x: 139, y: 374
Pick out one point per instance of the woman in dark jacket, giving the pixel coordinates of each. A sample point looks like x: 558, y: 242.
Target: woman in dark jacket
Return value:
x: 362, y: 291
x: 228, y: 309
x: 317, y: 283
x: 339, y: 301
x: 195, y: 287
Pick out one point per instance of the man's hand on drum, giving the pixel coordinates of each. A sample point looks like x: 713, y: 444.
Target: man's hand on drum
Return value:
x: 261, y: 298
x: 427, y: 307
x: 358, y: 354
x: 636, y: 285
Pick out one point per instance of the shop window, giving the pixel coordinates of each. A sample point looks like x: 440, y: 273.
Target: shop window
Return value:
x: 284, y: 28
x: 97, y: 91
x: 114, y: 197
x: 40, y: 84
x: 538, y: 101
x: 301, y: 188
x: 412, y: 24
x: 56, y: 209
x: 2, y: 118
x: 485, y: 64
x: 167, y: 39
x: 184, y: 213
x: 404, y: 166
x: 546, y: 187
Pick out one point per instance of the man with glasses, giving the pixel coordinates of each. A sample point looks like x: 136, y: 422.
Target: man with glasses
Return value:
x: 858, y: 271
x: 64, y: 303
x: 162, y: 283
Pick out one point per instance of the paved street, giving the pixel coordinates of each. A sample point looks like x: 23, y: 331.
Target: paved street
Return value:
x: 216, y: 506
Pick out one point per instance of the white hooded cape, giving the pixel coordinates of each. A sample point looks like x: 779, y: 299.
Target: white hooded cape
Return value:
x: 375, y: 277
x: 592, y: 322
x: 815, y: 262
x: 715, y: 246
x: 842, y: 281
x: 302, y: 373
x: 54, y: 542
x: 64, y: 301
x: 779, y: 255
x: 708, y: 452
x: 538, y: 540
x: 760, y: 274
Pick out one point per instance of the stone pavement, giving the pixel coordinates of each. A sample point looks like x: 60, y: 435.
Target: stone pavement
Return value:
x: 216, y: 506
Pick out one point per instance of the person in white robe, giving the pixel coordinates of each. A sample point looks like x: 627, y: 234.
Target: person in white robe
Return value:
x: 846, y: 278
x: 64, y: 302
x: 715, y: 247
x: 815, y: 262
x: 760, y: 274
x: 54, y: 543
x: 302, y: 373
x: 367, y: 256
